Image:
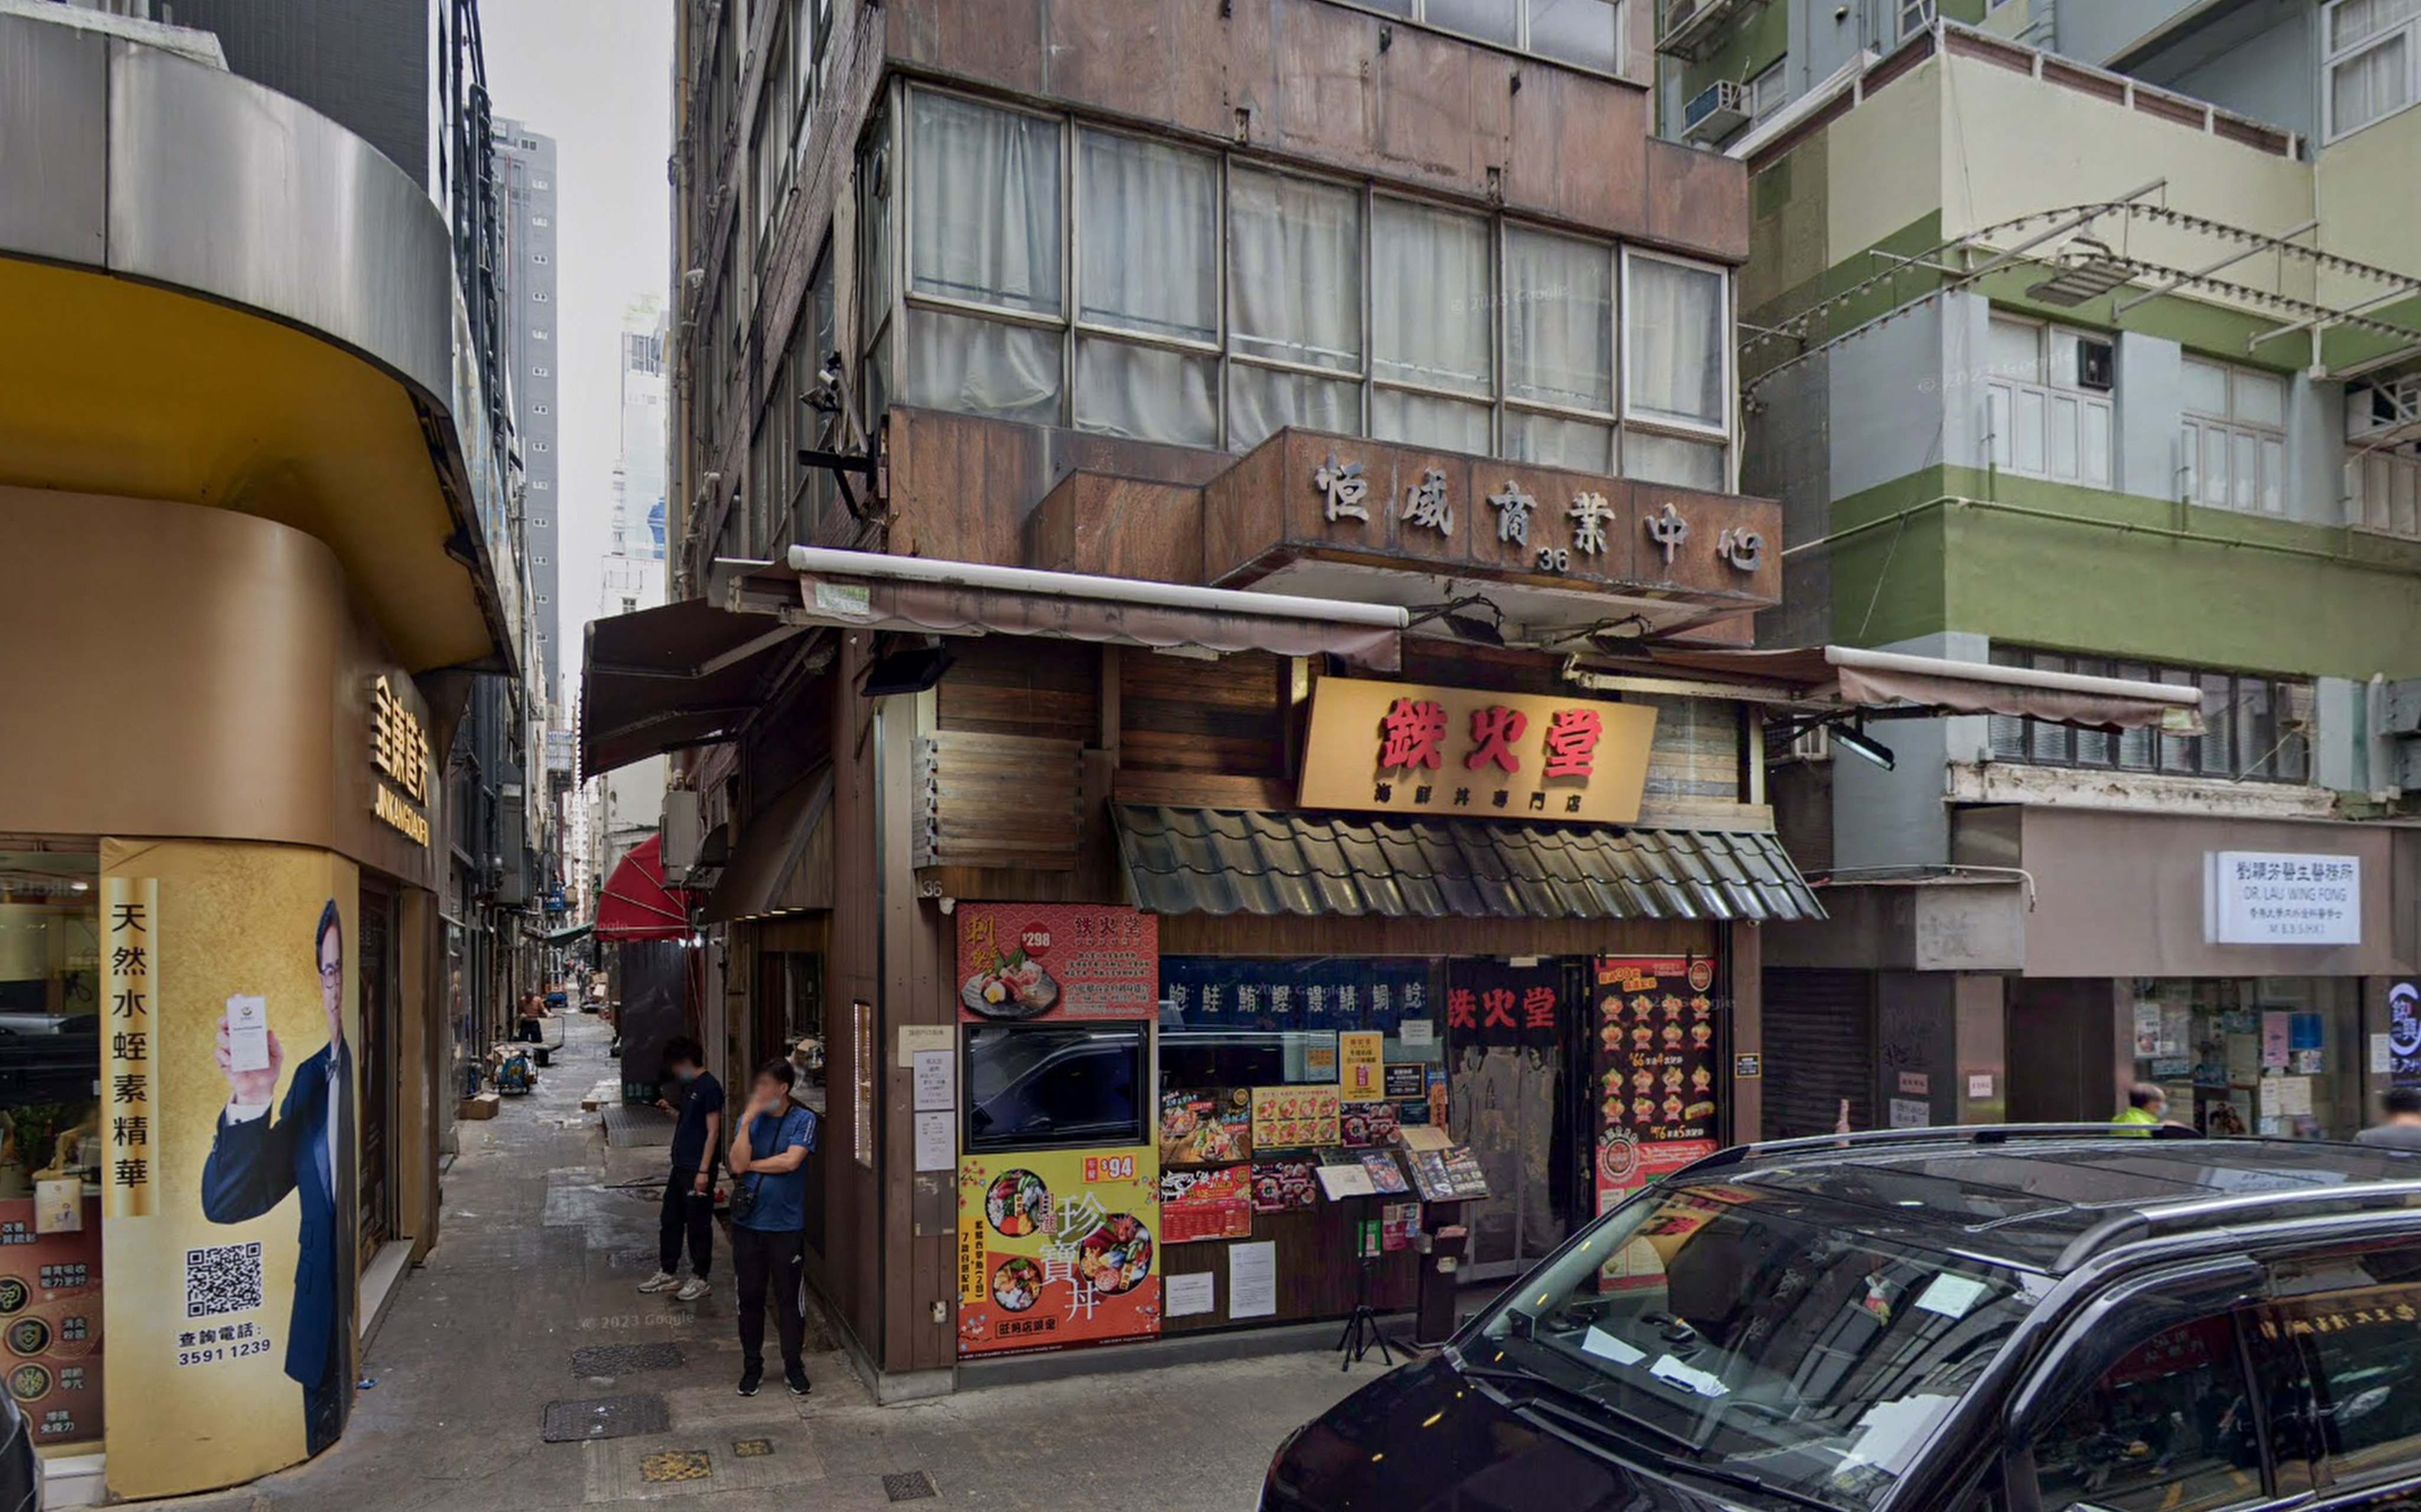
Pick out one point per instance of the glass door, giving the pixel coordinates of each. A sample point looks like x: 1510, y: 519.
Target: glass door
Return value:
x: 1505, y: 1063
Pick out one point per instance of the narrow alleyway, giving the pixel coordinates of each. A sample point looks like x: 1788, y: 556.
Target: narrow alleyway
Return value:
x: 547, y: 1233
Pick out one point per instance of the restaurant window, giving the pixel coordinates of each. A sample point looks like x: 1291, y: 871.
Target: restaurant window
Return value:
x: 1294, y: 293
x: 2047, y: 402
x: 2371, y: 61
x: 2255, y: 727
x: 1676, y: 372
x: 2233, y: 440
x: 1146, y: 289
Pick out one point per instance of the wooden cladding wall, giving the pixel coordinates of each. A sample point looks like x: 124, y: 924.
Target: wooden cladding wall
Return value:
x: 1697, y: 758
x: 1016, y: 685
x: 999, y: 800
x: 1226, y: 717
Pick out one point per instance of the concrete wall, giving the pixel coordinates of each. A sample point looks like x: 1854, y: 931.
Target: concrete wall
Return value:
x: 2260, y: 60
x: 1897, y: 818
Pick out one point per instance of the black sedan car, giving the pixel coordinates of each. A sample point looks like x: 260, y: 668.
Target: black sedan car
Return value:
x: 1948, y: 1320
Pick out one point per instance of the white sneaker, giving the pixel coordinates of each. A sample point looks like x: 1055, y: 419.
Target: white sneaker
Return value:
x: 661, y: 1281
x: 692, y: 1289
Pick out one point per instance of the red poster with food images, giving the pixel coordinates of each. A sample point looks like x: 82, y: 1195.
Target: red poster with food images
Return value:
x: 1056, y: 960
x: 1206, y: 1205
x: 1057, y: 1249
x: 1657, y: 1025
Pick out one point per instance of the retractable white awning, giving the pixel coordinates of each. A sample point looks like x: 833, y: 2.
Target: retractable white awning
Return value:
x: 1852, y: 677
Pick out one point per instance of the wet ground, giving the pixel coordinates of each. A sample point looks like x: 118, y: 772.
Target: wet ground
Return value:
x: 547, y: 1233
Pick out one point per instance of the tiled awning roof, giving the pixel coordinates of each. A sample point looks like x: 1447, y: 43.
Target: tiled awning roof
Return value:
x: 1227, y: 861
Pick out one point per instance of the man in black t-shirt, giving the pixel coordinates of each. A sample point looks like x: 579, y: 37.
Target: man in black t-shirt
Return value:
x: 689, y: 1191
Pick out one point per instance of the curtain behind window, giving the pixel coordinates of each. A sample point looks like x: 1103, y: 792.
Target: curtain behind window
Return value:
x: 1558, y: 321
x: 1431, y: 293
x: 1675, y: 326
x: 1151, y: 238
x: 1294, y: 273
x: 983, y: 205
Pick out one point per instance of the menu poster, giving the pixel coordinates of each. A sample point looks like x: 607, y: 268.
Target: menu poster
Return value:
x: 1361, y: 1056
x: 1656, y: 1068
x: 1295, y: 1118
x: 1449, y: 1174
x: 1338, y: 1182
x: 1056, y: 960
x: 1206, y: 1205
x: 50, y: 1318
x: 1283, y: 1186
x: 1056, y: 1248
x: 1206, y: 1127
x: 1367, y: 1124
x: 1462, y: 1172
x: 1386, y: 1177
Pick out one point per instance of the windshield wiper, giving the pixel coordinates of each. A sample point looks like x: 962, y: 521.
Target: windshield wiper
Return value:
x: 1571, y: 1394
x: 1742, y: 1480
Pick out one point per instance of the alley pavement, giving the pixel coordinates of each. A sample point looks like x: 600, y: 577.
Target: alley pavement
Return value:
x: 547, y: 1235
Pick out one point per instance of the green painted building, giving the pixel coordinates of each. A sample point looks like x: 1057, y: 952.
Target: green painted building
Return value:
x: 2086, y: 339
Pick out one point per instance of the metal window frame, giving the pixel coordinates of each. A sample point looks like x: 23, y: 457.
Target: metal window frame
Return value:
x: 2237, y: 768
x: 2332, y: 59
x: 1725, y: 433
x: 1416, y: 13
x: 1080, y: 330
x: 2050, y: 386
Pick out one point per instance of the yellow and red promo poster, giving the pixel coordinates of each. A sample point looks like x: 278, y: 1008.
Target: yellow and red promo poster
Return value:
x: 1656, y: 1058
x: 1057, y: 1249
x: 1056, y: 960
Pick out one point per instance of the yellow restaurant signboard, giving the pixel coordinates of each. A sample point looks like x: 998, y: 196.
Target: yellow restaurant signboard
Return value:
x: 1404, y: 748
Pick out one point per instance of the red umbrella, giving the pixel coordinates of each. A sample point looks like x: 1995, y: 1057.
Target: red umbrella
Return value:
x: 637, y: 904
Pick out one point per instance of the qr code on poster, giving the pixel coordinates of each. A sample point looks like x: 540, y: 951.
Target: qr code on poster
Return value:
x: 226, y: 1279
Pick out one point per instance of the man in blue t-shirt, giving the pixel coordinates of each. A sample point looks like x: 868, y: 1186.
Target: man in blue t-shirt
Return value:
x: 768, y: 1221
x: 689, y: 1191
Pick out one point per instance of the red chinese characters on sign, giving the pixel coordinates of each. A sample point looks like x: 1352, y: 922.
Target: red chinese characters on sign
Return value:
x: 1572, y: 742
x: 1495, y: 731
x: 1415, y: 732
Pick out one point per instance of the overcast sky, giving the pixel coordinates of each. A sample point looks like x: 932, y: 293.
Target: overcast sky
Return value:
x: 597, y: 76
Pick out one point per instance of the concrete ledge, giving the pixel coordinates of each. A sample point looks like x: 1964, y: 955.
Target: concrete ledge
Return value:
x: 1200, y: 1348
x: 73, y: 1480
x: 381, y: 1280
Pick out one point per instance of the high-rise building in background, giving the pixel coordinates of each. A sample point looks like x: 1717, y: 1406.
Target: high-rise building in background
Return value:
x: 525, y: 181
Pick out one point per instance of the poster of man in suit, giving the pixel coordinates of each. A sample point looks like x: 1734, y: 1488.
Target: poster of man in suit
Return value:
x: 231, y: 1303
x: 304, y: 1150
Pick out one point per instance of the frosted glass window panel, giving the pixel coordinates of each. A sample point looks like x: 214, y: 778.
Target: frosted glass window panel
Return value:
x: 1425, y: 420
x: 2206, y: 388
x: 2405, y: 495
x: 2273, y: 476
x: 1999, y: 416
x: 1491, y: 20
x: 2028, y: 445
x: 1263, y: 401
x: 2213, y: 469
x: 1584, y: 32
x: 2064, y: 420
x: 984, y: 204
x: 1150, y: 238
x: 2261, y: 400
x: 1432, y: 294
x: 1672, y: 461
x: 1008, y: 372
x: 1558, y: 321
x: 2371, y: 85
x: 2244, y: 470
x: 1674, y: 330
x: 2356, y: 21
x: 2097, y: 445
x: 1147, y: 393
x: 2013, y: 350
x: 1558, y: 441
x: 1295, y: 271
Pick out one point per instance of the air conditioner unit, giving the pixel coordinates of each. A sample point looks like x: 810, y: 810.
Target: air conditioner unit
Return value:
x: 1715, y: 111
x: 683, y: 828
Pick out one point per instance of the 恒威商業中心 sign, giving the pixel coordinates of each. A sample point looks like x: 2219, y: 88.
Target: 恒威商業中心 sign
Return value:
x: 2259, y: 897
x: 1393, y: 747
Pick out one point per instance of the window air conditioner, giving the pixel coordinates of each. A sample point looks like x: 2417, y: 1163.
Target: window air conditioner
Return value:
x: 1715, y: 111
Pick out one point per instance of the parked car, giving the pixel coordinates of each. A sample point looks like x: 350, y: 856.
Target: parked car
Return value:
x: 21, y: 1468
x: 2005, y: 1320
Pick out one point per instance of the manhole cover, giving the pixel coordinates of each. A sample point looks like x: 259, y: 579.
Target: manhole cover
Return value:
x: 605, y: 1417
x: 623, y: 1358
x: 908, y: 1485
x: 752, y: 1448
x: 674, y: 1464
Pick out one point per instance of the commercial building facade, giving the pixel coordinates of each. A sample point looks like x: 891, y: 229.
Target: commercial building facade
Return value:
x: 1036, y: 621
x: 261, y: 550
x: 2079, y: 342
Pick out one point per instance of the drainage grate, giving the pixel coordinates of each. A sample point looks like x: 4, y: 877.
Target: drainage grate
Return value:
x: 752, y: 1448
x: 605, y: 1417
x: 674, y: 1465
x: 908, y: 1485
x: 622, y: 1359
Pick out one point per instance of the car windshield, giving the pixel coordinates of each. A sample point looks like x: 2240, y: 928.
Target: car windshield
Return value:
x: 1749, y: 1333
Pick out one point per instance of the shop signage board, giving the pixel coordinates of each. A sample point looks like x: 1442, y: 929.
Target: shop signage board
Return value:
x: 1057, y: 1249
x: 1415, y: 749
x: 1056, y: 962
x: 399, y: 792
x: 2264, y: 897
x: 1285, y: 1186
x: 1323, y: 996
x: 1490, y: 1003
x: 2404, y: 1031
x: 1656, y: 1063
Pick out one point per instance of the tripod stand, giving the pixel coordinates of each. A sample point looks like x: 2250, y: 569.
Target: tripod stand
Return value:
x: 1362, y: 1329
